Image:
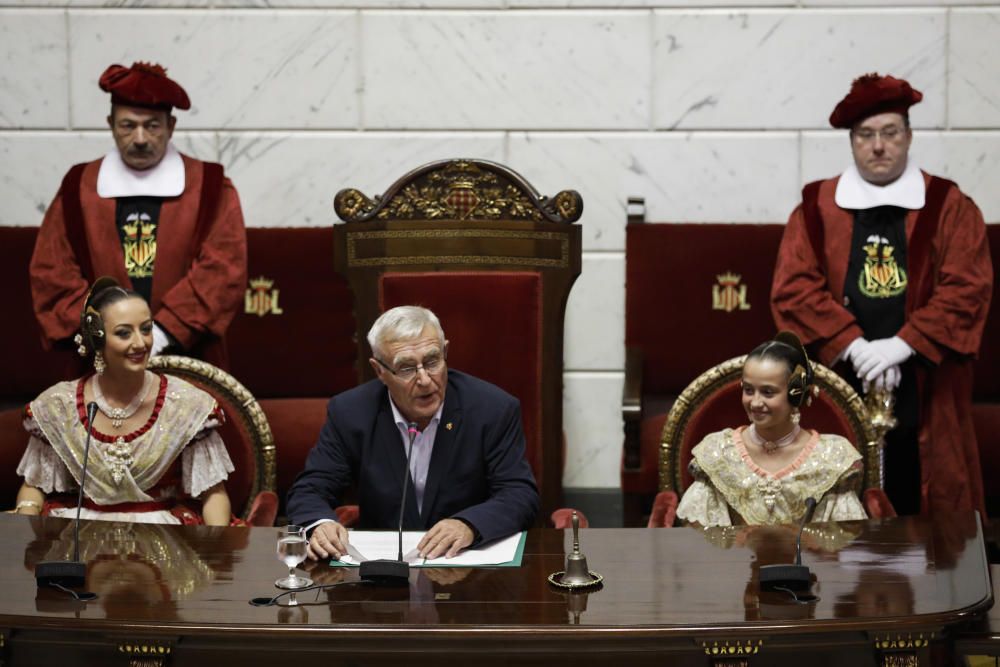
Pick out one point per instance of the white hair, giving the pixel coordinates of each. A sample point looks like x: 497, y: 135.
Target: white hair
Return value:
x: 402, y: 323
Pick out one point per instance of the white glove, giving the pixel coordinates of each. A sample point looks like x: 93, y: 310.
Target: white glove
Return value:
x: 851, y: 351
x: 879, y: 356
x: 888, y: 380
x: 160, y: 340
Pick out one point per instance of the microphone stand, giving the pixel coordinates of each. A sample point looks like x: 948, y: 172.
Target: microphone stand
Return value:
x: 384, y: 571
x: 793, y: 577
x: 72, y: 573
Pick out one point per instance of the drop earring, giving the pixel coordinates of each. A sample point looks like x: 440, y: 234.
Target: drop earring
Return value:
x: 796, y: 416
x: 99, y: 364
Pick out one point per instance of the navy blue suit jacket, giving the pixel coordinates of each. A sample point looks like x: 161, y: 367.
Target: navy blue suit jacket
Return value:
x: 478, y: 472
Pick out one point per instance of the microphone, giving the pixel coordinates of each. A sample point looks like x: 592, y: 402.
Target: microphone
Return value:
x: 383, y: 571
x: 793, y: 577
x: 73, y: 573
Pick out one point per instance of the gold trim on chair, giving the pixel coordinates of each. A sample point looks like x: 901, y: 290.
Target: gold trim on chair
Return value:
x: 462, y: 189
x: 201, y: 373
x: 717, y: 377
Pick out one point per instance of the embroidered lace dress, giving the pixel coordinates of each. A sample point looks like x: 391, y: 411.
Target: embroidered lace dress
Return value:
x: 729, y: 488
x: 139, y: 476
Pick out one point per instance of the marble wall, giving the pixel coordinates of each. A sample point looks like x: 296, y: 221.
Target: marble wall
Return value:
x: 713, y: 111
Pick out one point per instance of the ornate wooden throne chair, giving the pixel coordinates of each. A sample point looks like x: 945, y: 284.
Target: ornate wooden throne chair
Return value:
x: 246, y: 434
x: 712, y: 403
x: 476, y: 243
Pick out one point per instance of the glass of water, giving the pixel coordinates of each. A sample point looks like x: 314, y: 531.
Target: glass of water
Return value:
x: 292, y: 544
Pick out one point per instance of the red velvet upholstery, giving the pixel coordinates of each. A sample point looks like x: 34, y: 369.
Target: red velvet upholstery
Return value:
x: 475, y: 309
x: 27, y: 369
x: 678, y: 265
x: 877, y: 504
x: 348, y: 515
x: 562, y: 519
x: 13, y: 440
x: 307, y: 350
x: 295, y: 425
x: 664, y: 511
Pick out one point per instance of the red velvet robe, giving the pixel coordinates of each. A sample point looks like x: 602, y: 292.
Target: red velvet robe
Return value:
x: 195, y: 293
x: 950, y: 286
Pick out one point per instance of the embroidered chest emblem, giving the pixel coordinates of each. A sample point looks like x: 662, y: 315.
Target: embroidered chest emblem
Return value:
x: 261, y: 298
x: 729, y: 294
x: 119, y: 455
x: 139, y: 245
x: 769, y: 490
x: 882, y: 277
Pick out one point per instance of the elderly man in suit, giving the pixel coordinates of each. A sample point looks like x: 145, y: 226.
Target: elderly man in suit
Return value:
x: 470, y: 481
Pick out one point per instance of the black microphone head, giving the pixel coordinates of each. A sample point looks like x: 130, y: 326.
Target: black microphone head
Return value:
x: 91, y: 410
x: 810, y: 502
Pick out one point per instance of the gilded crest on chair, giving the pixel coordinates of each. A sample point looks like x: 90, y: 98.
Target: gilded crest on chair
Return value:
x: 462, y: 189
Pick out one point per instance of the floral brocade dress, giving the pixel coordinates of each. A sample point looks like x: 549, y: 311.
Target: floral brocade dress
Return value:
x: 729, y: 488
x: 143, y: 476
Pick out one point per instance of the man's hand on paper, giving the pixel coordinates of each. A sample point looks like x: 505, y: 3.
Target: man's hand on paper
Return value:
x: 447, y: 538
x: 329, y: 540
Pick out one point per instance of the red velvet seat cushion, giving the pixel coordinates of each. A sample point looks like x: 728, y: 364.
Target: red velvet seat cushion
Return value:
x: 493, y: 323
x: 309, y: 349
x: 674, y: 267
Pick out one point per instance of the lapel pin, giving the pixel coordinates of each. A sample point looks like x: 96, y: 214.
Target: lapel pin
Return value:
x: 448, y: 426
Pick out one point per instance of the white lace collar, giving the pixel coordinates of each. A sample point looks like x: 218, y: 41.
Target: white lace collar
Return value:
x: 117, y: 179
x: 907, y: 191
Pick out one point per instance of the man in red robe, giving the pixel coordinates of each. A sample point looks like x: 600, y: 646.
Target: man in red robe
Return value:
x: 163, y: 223
x: 887, y: 269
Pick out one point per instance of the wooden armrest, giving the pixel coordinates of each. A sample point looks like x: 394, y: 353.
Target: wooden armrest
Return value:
x: 632, y: 407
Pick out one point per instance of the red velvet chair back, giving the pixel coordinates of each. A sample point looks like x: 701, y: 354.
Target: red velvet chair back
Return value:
x: 246, y: 431
x: 718, y: 276
x: 475, y: 243
x: 712, y: 403
x: 294, y: 335
x: 27, y: 369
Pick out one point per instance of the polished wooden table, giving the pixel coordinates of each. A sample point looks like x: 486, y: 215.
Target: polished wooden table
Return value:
x: 890, y: 592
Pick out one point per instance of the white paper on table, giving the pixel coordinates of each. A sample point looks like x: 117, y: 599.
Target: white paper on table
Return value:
x: 385, y: 544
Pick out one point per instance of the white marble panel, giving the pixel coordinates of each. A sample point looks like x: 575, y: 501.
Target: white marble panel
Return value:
x: 633, y: 4
x: 32, y: 165
x: 971, y: 159
x: 974, y: 68
x: 684, y: 177
x: 365, y: 4
x: 33, y: 88
x: 788, y: 69
x: 506, y: 70
x: 71, y: 4
x: 893, y: 3
x: 290, y: 179
x: 592, y: 422
x: 242, y: 69
x: 595, y: 315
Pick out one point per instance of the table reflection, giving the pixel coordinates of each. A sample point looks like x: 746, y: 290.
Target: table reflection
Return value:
x: 138, y: 568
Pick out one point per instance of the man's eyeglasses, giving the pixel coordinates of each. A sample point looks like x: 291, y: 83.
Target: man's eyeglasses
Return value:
x: 408, y: 373
x: 888, y: 134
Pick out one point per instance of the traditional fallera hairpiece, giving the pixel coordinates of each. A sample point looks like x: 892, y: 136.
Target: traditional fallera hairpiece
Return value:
x: 91, y: 335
